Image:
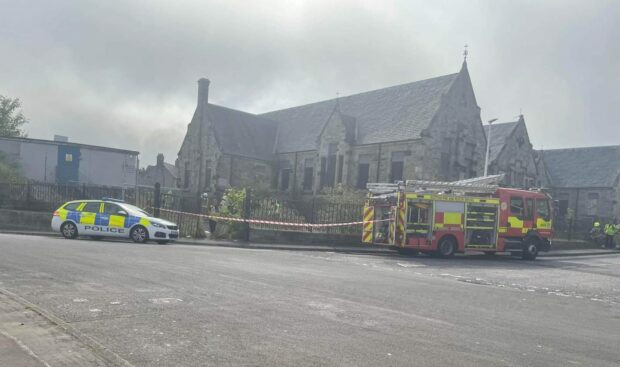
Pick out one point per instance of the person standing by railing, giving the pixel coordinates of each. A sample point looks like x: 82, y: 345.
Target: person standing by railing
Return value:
x: 610, y: 231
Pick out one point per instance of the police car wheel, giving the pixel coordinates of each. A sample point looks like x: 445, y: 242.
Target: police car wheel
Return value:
x: 139, y: 234
x: 447, y: 247
x: 69, y: 230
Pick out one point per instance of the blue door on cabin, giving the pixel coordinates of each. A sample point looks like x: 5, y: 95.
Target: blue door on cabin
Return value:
x: 68, y: 168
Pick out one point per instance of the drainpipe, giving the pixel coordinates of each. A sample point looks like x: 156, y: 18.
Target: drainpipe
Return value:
x: 378, y: 163
x: 295, y: 175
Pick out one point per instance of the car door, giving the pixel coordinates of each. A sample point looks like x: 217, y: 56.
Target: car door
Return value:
x: 116, y: 219
x: 88, y: 219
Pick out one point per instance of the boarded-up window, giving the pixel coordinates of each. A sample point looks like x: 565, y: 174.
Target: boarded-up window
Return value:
x: 308, y: 174
x: 340, y: 168
x: 397, y: 166
x: 592, y: 203
x: 331, y: 164
x: 363, y: 170
x: 285, y: 175
x: 323, y: 172
x: 186, y: 174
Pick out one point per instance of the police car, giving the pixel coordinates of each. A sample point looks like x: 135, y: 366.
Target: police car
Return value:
x: 111, y: 218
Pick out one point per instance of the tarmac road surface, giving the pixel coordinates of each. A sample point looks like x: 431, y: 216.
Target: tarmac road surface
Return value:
x: 178, y: 305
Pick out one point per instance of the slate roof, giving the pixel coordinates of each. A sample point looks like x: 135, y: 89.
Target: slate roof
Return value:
x: 395, y: 113
x: 499, y: 134
x: 583, y: 167
x: 172, y: 169
x: 241, y: 133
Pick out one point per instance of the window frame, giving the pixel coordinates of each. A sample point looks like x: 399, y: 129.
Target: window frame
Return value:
x: 97, y: 203
x: 522, y: 208
x: 284, y: 187
x: 77, y: 205
x: 547, y: 208
x: 105, y: 207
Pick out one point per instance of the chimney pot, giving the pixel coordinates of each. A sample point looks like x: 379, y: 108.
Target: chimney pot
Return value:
x: 160, y: 160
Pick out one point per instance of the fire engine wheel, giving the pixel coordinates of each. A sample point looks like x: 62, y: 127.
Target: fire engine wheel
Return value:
x: 447, y: 247
x: 530, y: 249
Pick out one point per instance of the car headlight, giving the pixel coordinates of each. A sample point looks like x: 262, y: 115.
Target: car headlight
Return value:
x: 158, y: 225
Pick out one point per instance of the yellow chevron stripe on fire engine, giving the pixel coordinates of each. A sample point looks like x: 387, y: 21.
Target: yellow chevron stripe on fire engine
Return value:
x: 367, y: 236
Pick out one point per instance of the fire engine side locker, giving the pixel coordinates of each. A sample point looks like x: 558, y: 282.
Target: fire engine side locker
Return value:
x: 418, y: 227
x: 482, y: 224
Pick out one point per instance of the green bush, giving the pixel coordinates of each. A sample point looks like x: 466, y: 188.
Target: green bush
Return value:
x: 9, y: 173
x: 231, y: 206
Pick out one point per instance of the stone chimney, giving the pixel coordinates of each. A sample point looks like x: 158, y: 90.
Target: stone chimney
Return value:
x: 160, y: 160
x: 203, y: 91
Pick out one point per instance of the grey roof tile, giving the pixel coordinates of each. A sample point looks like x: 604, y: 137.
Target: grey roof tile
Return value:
x: 172, y: 169
x: 499, y: 135
x: 583, y: 167
x: 242, y: 133
x: 400, y: 112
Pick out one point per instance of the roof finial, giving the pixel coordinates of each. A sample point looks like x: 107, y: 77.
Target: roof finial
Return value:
x: 465, y: 53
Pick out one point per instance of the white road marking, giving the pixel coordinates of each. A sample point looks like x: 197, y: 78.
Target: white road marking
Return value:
x: 25, y: 348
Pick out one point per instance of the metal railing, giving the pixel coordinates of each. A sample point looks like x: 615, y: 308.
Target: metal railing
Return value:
x: 314, y: 211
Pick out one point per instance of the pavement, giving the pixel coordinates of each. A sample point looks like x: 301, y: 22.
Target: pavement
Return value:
x: 120, y: 303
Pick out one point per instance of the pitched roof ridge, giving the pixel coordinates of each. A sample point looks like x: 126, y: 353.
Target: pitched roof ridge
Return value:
x: 243, y: 112
x: 360, y: 93
x: 581, y: 148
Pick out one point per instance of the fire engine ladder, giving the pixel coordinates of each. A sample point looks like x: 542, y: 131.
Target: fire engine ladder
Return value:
x: 382, y: 188
x: 478, y: 185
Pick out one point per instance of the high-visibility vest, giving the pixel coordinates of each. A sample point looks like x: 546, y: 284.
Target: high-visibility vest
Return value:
x: 610, y: 229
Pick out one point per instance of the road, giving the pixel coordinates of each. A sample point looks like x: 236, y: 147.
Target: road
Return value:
x: 179, y: 305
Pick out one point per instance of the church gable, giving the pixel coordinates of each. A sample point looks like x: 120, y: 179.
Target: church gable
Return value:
x: 512, y: 153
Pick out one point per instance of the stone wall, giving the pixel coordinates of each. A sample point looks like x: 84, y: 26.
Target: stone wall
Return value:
x: 583, y: 203
x: 516, y: 160
x: 22, y: 220
x: 236, y: 171
x: 455, y: 141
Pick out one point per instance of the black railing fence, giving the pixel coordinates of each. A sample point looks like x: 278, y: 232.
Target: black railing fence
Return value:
x: 47, y: 197
x: 313, y: 211
x: 176, y: 204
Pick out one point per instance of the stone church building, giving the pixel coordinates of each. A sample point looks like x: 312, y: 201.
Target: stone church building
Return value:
x: 429, y: 129
x: 511, y: 153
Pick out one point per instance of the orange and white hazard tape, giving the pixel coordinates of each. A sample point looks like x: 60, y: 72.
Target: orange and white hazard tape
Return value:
x: 285, y: 224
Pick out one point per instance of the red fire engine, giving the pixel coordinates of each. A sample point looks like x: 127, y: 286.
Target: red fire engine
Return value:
x: 443, y: 218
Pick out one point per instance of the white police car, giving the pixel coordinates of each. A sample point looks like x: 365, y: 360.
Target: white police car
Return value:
x: 111, y: 218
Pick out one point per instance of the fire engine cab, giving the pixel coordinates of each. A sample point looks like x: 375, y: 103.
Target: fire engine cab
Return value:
x: 443, y: 218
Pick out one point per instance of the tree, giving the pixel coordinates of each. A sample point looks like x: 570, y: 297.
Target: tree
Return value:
x: 12, y: 119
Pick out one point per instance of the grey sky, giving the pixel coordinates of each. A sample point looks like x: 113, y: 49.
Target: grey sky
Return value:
x: 123, y: 73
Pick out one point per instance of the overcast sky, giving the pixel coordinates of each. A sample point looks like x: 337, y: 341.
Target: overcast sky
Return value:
x: 123, y: 73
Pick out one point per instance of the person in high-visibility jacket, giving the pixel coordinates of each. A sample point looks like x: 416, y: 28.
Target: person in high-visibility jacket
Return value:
x: 610, y: 232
